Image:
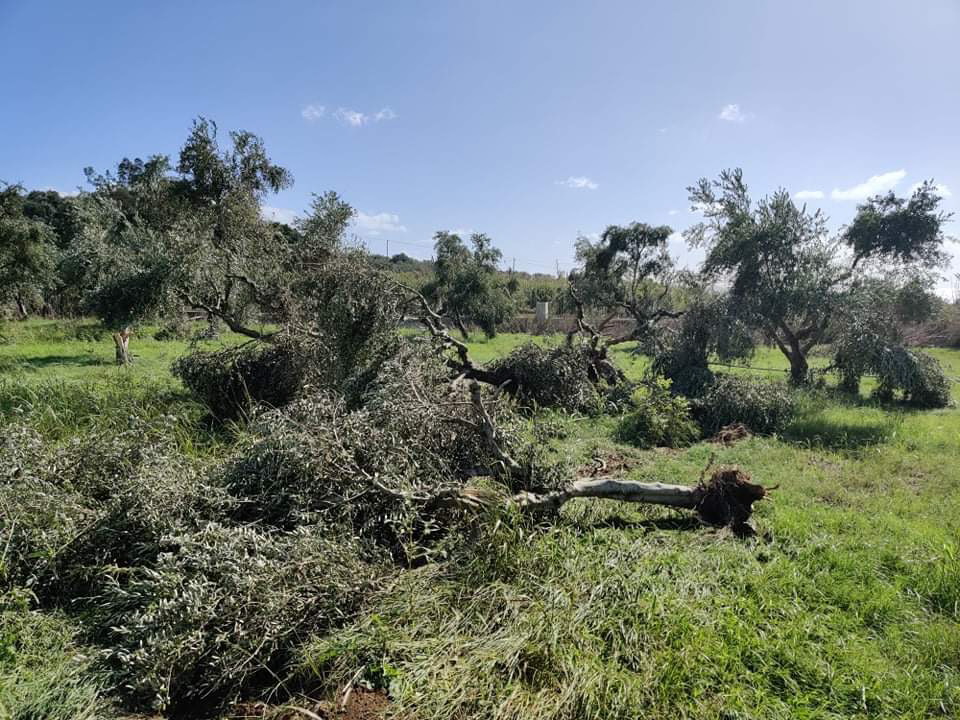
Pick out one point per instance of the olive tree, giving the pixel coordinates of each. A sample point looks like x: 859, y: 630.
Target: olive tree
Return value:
x: 167, y: 238
x: 629, y: 268
x: 787, y: 275
x: 467, y: 285
x: 27, y: 252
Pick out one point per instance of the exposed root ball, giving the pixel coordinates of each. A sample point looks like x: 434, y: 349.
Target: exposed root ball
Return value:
x: 727, y: 499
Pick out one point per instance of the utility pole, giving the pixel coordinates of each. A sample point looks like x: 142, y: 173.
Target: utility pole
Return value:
x: 388, y: 246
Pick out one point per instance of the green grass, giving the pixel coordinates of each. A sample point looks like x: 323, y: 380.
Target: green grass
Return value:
x: 845, y: 605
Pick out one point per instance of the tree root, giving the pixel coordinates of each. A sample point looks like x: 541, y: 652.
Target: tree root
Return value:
x: 724, y: 500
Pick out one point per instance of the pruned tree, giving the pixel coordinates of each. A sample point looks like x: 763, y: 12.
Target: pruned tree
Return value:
x: 467, y: 285
x: 167, y: 238
x: 787, y: 276
x: 630, y: 269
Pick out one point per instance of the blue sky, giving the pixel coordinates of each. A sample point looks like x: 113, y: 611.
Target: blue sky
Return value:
x: 530, y: 121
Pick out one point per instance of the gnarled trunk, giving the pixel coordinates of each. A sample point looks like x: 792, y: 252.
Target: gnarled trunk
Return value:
x: 121, y: 341
x: 799, y: 369
x: 22, y: 308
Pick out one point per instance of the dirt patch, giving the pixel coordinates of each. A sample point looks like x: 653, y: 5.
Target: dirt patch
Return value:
x: 607, y: 463
x: 729, y: 434
x: 361, y: 704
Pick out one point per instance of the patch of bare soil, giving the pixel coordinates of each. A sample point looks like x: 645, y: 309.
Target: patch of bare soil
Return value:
x: 609, y: 462
x: 361, y: 704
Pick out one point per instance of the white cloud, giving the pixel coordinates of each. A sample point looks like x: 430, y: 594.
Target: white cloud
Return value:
x: 733, y: 113
x: 873, y: 186
x: 313, y: 112
x: 673, y: 212
x: 353, y: 118
x: 809, y: 195
x: 280, y: 215
x: 579, y: 183
x: 941, y: 189
x: 64, y: 193
x: 378, y: 223
x: 384, y: 114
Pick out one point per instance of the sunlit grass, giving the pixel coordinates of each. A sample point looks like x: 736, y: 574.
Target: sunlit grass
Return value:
x: 846, y: 604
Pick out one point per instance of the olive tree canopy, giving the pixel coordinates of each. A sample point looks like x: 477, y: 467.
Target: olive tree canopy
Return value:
x: 27, y: 251
x: 167, y: 238
x: 629, y: 268
x: 787, y: 275
x: 467, y: 285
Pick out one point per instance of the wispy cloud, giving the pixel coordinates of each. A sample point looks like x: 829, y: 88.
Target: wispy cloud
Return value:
x: 873, y: 186
x: 579, y: 183
x: 353, y: 118
x: 673, y: 212
x: 376, y: 224
x: 733, y: 113
x: 809, y: 195
x: 280, y: 215
x: 312, y: 112
x: 941, y: 189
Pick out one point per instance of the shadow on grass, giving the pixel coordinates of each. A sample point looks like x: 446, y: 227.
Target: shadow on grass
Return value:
x: 827, y: 430
x: 44, y: 361
x: 616, y: 522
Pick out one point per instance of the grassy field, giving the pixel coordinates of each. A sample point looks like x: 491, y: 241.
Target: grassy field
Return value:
x: 845, y: 605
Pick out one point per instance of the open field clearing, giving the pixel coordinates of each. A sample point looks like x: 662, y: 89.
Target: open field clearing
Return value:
x: 845, y: 604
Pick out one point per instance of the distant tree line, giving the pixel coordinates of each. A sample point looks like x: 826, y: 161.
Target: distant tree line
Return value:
x: 154, y: 238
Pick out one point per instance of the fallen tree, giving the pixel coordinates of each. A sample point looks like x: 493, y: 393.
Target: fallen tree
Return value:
x: 574, y: 376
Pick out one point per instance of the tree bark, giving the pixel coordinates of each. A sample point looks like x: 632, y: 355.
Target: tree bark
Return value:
x: 22, y: 308
x: 657, y: 493
x: 461, y: 326
x: 121, y: 342
x: 799, y: 369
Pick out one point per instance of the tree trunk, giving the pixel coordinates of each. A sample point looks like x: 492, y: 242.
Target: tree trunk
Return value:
x: 22, y: 308
x: 799, y: 369
x: 122, y: 342
x: 656, y: 493
x: 461, y: 326
x: 726, y: 498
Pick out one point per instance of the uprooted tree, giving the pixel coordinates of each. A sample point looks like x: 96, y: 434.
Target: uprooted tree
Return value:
x: 787, y: 275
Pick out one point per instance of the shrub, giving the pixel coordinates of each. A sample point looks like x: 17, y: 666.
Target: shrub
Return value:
x: 708, y: 327
x: 178, y: 328
x: 230, y: 382
x: 764, y: 407
x: 224, y: 610
x: 916, y: 375
x: 659, y: 418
